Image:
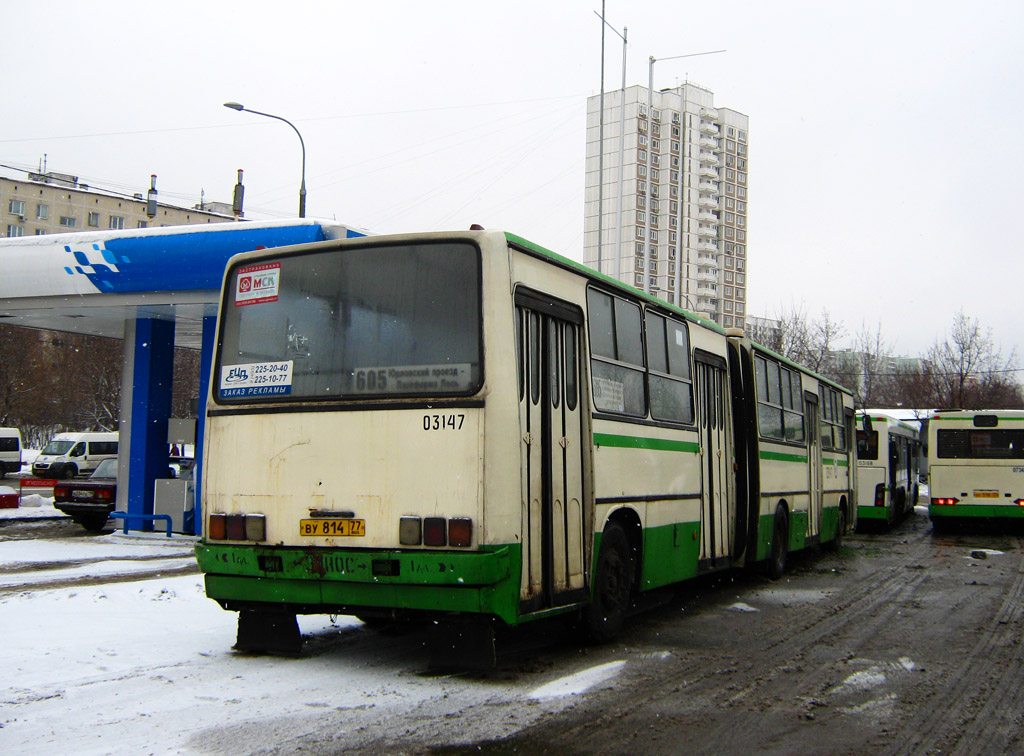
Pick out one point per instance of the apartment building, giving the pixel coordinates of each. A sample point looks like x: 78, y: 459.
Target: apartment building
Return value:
x: 669, y: 213
x: 50, y: 203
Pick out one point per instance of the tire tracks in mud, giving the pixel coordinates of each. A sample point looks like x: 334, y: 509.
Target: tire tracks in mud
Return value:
x: 977, y: 710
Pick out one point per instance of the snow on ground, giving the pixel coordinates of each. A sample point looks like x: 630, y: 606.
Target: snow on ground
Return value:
x: 146, y: 667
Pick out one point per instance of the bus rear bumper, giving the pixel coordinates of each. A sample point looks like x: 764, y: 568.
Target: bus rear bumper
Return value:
x: 985, y: 511
x: 320, y: 581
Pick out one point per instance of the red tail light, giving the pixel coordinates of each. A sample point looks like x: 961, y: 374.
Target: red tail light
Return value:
x: 434, y: 531
x: 945, y: 501
x: 880, y: 495
x: 218, y: 526
x: 60, y: 492
x: 460, y: 531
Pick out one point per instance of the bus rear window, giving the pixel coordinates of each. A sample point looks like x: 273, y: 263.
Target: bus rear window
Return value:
x: 981, y: 444
x: 375, y: 321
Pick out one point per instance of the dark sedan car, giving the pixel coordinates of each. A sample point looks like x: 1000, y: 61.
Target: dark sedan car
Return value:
x: 89, y: 502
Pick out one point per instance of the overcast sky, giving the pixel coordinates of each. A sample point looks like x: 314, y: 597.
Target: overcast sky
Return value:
x: 886, y: 160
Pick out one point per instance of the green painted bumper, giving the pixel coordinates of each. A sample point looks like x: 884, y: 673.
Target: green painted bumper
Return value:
x: 324, y: 580
x: 1001, y: 512
x: 873, y: 513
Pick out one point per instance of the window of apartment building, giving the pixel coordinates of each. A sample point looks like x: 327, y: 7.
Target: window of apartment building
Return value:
x: 638, y: 280
x: 654, y: 206
x: 742, y: 149
x: 639, y: 248
x: 16, y: 207
x: 742, y: 135
x: 727, y: 321
x: 674, y: 144
x: 730, y: 218
x: 654, y: 253
x: 741, y: 177
x: 742, y: 192
x: 642, y: 139
x: 641, y: 186
x: 673, y: 191
x: 641, y: 232
x: 741, y: 206
x: 728, y: 248
x: 40, y: 232
x: 116, y: 222
x: 741, y: 235
x: 739, y: 265
x: 730, y: 145
x: 15, y: 230
x: 673, y: 207
x: 673, y: 237
x: 655, y: 174
x: 675, y: 161
x: 740, y: 278
x: 656, y: 130
x: 728, y: 262
x: 740, y: 249
x: 730, y: 189
x: 639, y: 264
x: 728, y: 278
x: 727, y: 306
x: 641, y: 201
x: 740, y: 220
x: 730, y: 161
x: 653, y: 283
x: 671, y: 268
x: 673, y: 222
x: 42, y: 211
x: 656, y: 114
x: 731, y: 175
x: 656, y: 145
x: 654, y: 220
x: 654, y: 235
x: 730, y: 203
x: 672, y: 283
x: 739, y: 308
x: 728, y: 232
x: 143, y: 224
x: 641, y: 155
x: 674, y: 175
x: 675, y: 131
x: 67, y: 221
x: 641, y: 170
x: 728, y: 291
x: 739, y: 292
x: 641, y: 216
x: 731, y: 131
x: 742, y: 164
x: 652, y: 266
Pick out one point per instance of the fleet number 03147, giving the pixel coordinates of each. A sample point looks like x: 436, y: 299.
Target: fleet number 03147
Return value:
x: 443, y: 422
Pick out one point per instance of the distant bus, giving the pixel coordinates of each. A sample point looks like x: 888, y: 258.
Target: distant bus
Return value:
x: 466, y: 426
x: 976, y: 465
x: 888, y: 455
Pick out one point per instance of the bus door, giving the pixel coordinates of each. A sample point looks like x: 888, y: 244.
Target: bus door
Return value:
x: 814, y: 480
x: 713, y: 423
x: 551, y: 428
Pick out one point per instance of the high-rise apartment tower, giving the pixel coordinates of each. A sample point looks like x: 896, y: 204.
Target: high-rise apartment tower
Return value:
x: 673, y: 221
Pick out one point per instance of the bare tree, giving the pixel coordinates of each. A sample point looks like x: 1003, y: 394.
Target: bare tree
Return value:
x: 967, y: 370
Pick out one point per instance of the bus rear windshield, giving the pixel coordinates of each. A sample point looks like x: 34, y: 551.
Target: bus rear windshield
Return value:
x: 981, y: 444
x: 370, y: 322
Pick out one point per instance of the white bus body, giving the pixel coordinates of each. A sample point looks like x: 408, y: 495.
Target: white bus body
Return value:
x: 888, y: 454
x: 976, y: 465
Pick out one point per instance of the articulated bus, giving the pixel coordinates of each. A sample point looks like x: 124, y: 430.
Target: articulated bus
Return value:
x: 976, y: 466
x: 888, y: 470
x: 464, y: 426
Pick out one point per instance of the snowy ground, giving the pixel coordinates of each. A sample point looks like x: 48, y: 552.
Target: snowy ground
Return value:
x: 146, y: 667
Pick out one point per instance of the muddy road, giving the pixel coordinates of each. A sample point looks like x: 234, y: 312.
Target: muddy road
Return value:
x: 906, y: 642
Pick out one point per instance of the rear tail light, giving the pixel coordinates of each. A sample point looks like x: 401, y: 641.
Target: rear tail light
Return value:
x: 945, y: 501
x: 434, y: 531
x: 1019, y: 502
x: 460, y: 531
x: 237, y: 527
x: 880, y: 495
x: 104, y: 494
x: 60, y: 491
x: 218, y: 526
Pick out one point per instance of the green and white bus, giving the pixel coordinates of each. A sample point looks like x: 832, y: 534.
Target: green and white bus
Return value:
x: 888, y: 469
x: 466, y: 426
x: 976, y: 466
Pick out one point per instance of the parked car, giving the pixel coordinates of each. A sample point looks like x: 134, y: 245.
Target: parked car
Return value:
x: 10, y: 451
x: 89, y: 502
x: 71, y: 454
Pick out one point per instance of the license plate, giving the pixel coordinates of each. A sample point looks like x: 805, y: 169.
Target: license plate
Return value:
x: 83, y: 494
x: 332, y: 527
x: 986, y: 494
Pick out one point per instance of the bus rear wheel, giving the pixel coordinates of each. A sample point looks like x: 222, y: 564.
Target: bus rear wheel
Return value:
x: 604, y: 616
x: 780, y: 545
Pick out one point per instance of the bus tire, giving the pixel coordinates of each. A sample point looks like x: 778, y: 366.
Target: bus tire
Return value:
x: 780, y: 545
x: 604, y: 616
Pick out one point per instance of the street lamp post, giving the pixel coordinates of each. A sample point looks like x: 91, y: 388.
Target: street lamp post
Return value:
x: 302, y: 188
x: 650, y: 120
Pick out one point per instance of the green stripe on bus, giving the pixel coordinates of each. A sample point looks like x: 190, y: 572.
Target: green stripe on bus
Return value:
x: 780, y: 457
x: 637, y: 442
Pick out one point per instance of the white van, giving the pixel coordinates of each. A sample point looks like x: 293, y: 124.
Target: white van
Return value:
x: 71, y: 454
x: 10, y: 451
